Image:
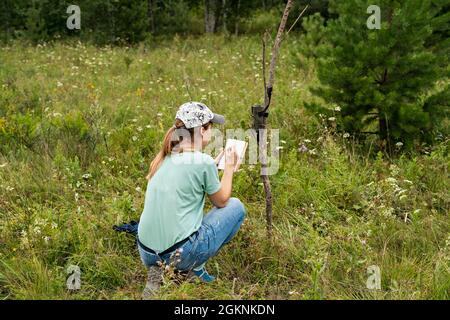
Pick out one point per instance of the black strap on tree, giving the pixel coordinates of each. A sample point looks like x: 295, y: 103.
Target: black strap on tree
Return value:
x: 260, y: 114
x: 269, y: 96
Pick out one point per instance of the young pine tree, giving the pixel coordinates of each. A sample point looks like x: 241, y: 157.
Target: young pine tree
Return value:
x: 391, y: 81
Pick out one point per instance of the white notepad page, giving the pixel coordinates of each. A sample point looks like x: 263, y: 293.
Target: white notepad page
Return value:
x: 240, y: 146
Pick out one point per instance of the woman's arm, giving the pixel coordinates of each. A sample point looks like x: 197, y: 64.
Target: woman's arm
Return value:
x: 220, y: 198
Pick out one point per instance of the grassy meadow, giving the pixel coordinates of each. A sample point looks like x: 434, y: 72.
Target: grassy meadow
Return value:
x: 80, y: 124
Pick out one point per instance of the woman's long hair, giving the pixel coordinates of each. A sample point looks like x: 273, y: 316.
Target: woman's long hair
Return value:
x: 171, y: 140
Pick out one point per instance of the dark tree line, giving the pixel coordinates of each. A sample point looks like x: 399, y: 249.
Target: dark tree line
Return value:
x: 111, y: 21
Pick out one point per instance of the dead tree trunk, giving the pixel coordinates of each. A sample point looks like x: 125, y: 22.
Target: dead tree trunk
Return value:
x: 224, y: 15
x: 150, y: 15
x: 210, y: 15
x: 260, y: 115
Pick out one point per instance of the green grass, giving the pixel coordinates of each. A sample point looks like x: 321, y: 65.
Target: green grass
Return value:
x: 79, y: 126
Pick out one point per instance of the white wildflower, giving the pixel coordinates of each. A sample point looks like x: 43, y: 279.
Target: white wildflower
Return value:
x: 37, y: 230
x: 24, y: 243
x: 391, y: 180
x: 40, y: 222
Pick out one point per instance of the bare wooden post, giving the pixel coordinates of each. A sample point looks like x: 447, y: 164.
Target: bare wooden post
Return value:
x: 274, y: 56
x: 260, y: 114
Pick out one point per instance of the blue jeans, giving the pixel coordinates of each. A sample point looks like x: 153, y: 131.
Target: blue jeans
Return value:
x: 218, y: 228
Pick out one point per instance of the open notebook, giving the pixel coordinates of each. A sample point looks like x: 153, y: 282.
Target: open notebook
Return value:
x: 240, y: 146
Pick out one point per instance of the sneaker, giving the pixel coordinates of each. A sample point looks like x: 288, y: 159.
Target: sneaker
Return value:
x: 154, y: 281
x: 201, y: 274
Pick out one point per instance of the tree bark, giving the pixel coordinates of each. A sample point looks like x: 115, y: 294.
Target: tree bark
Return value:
x: 224, y: 15
x: 210, y: 15
x: 385, y: 142
x: 382, y: 126
x: 236, y: 24
x: 150, y: 16
x: 262, y: 119
x: 276, y: 45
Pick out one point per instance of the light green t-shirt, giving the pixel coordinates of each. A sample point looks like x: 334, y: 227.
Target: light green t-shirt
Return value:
x: 175, y: 198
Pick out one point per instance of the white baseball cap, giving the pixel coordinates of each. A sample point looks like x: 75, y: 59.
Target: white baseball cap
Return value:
x: 195, y: 114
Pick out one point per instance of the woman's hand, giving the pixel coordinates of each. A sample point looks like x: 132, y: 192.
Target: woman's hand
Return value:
x: 231, y: 157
